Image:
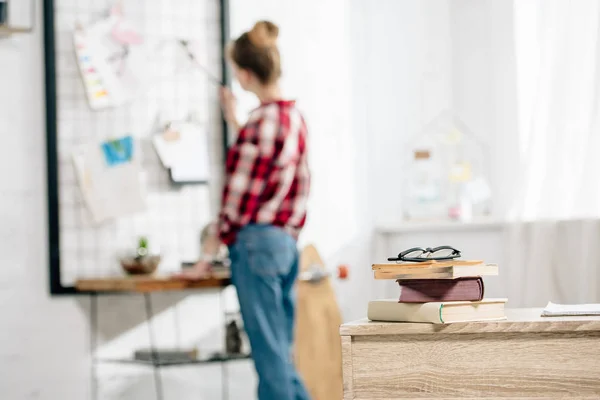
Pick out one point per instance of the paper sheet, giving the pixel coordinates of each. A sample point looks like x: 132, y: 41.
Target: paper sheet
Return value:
x: 110, y: 64
x: 109, y: 177
x: 555, y: 310
x: 183, y: 148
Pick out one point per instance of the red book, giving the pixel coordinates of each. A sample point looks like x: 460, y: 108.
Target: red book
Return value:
x: 428, y: 290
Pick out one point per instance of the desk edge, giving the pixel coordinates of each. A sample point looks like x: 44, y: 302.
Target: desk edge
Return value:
x: 365, y: 327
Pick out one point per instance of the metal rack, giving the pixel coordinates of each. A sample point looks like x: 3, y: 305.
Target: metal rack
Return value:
x: 155, y: 363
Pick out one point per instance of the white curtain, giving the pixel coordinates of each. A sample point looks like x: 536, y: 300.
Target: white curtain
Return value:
x: 552, y: 245
x: 556, y: 261
x: 558, y: 72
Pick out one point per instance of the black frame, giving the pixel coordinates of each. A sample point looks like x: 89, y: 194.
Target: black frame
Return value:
x: 56, y: 287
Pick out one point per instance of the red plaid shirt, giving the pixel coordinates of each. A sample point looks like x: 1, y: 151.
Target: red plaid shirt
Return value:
x: 267, y: 174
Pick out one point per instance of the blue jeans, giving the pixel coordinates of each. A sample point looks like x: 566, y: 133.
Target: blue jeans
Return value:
x: 264, y: 267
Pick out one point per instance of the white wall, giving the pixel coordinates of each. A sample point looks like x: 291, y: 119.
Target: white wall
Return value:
x: 427, y: 57
x: 32, y: 339
x: 409, y: 76
x: 484, y: 85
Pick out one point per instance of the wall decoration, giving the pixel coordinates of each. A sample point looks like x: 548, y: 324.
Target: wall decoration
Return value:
x: 183, y: 150
x: 109, y: 176
x: 106, y: 51
x: 447, y: 173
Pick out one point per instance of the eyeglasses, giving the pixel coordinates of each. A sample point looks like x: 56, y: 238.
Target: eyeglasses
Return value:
x: 418, y: 254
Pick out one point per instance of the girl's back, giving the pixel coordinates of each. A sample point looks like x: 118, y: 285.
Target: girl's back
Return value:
x: 270, y: 155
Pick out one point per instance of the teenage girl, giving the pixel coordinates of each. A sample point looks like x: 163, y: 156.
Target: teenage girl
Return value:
x: 263, y: 210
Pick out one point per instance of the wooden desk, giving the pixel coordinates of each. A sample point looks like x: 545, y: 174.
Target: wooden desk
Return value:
x: 525, y: 357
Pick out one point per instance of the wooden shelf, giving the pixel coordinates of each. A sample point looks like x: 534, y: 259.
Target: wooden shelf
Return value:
x: 145, y: 284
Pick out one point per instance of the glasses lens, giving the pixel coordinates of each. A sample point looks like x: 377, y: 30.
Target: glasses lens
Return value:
x: 414, y: 254
x: 443, y: 253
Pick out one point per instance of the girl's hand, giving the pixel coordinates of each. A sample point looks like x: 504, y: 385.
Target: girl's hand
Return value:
x: 201, y: 270
x: 228, y: 104
x: 210, y: 240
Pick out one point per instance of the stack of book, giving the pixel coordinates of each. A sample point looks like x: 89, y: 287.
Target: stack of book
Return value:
x: 437, y: 292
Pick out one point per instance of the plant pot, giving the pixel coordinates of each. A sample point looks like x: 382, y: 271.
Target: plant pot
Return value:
x: 136, y: 265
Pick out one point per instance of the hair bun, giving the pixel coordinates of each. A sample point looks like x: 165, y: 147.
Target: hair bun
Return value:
x: 264, y: 34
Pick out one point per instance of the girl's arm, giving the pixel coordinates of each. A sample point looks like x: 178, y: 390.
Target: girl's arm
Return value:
x: 228, y: 105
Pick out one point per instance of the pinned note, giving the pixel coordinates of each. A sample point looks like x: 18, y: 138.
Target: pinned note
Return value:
x: 183, y: 149
x: 118, y: 151
x: 109, y: 175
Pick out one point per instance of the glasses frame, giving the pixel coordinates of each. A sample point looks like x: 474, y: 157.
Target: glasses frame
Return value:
x: 429, y: 250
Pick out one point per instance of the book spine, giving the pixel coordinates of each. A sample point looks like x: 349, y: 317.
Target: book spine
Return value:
x: 432, y: 290
x: 398, y: 312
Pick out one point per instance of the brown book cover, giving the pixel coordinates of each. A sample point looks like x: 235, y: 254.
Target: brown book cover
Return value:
x: 428, y: 290
x: 446, y: 270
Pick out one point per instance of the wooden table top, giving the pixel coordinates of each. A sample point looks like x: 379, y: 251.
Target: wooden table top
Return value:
x: 145, y: 284
x: 518, y: 321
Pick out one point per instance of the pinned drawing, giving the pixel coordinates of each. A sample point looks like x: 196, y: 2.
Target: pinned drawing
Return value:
x: 109, y: 56
x: 109, y: 175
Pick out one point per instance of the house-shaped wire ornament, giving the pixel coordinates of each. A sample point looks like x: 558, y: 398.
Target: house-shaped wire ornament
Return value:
x: 446, y: 170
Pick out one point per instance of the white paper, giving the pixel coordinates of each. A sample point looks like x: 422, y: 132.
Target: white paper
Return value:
x: 166, y: 150
x: 554, y: 310
x: 186, y: 154
x: 110, y: 190
x: 188, y: 172
x: 111, y: 71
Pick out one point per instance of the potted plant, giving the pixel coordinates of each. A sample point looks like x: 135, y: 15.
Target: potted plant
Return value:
x: 141, y: 261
